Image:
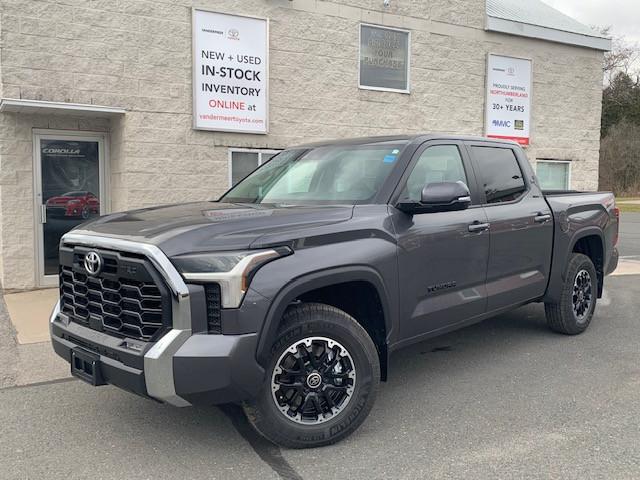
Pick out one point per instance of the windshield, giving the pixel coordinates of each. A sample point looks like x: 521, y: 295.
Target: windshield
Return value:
x: 334, y: 174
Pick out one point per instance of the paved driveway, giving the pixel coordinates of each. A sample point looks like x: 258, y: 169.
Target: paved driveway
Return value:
x: 503, y: 399
x: 630, y: 235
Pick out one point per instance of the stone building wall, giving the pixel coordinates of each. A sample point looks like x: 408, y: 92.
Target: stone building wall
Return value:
x: 136, y: 54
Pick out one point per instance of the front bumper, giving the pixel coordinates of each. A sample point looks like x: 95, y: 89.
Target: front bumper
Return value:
x: 205, y: 369
x: 180, y: 368
x: 112, y: 367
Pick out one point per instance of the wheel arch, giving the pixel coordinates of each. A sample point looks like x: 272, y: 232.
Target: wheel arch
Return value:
x: 590, y: 242
x: 316, y: 282
x: 564, y: 245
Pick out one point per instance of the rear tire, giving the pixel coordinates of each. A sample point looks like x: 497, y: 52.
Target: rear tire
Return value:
x: 573, y: 313
x: 321, y: 381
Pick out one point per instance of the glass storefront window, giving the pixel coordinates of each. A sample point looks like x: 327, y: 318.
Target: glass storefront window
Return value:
x: 553, y: 174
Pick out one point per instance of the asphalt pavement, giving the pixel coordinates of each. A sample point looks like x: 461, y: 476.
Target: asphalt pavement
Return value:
x: 503, y: 399
x: 629, y: 245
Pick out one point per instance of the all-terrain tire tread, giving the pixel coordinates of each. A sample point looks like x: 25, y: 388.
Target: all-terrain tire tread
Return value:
x: 559, y: 317
x: 300, y: 314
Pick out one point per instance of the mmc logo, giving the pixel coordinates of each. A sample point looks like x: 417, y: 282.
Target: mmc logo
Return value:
x: 233, y: 34
x: 501, y: 123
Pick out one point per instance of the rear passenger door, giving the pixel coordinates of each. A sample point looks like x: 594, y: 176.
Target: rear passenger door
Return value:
x: 520, y: 225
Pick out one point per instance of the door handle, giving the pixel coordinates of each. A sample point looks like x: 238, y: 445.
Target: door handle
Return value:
x: 542, y: 217
x: 478, y: 227
x: 43, y: 214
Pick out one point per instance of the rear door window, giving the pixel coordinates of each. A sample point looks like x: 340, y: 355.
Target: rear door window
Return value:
x: 499, y: 174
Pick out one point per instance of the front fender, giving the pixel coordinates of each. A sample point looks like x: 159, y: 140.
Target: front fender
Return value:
x: 312, y: 281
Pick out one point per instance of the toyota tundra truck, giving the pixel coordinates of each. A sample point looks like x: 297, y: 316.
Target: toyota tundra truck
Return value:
x: 289, y: 293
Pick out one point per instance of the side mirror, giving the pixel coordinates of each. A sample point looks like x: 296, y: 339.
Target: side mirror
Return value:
x: 439, y: 197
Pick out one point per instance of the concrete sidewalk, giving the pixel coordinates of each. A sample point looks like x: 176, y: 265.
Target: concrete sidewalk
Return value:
x: 29, y: 313
x: 628, y: 266
x: 26, y: 355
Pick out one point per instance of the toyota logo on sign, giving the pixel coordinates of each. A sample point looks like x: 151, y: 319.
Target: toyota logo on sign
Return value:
x: 93, y: 263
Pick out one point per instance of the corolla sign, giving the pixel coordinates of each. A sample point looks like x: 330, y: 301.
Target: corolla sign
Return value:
x: 61, y: 150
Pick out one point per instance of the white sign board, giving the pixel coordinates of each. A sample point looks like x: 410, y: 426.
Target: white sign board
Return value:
x: 231, y: 66
x: 508, y: 105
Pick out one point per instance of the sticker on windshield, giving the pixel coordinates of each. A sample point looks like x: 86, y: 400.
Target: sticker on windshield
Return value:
x: 389, y: 158
x: 396, y: 151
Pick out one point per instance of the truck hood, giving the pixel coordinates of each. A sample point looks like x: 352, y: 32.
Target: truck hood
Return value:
x: 210, y: 226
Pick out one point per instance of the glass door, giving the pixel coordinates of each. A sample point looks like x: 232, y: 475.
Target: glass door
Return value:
x: 69, y: 191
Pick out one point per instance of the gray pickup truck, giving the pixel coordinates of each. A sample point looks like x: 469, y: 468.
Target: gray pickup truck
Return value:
x: 290, y: 292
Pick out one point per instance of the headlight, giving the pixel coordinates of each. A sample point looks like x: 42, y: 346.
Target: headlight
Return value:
x: 232, y: 270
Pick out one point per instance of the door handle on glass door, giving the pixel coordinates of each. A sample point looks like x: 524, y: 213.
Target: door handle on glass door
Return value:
x: 43, y: 213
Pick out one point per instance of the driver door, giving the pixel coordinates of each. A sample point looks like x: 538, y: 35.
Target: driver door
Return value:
x: 442, y: 256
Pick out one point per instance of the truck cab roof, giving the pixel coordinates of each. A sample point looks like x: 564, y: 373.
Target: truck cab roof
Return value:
x: 417, y: 138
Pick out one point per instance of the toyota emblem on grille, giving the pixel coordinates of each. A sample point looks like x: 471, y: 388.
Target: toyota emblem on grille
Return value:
x: 92, y: 263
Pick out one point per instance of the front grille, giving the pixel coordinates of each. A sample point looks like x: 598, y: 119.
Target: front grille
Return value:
x: 125, y: 299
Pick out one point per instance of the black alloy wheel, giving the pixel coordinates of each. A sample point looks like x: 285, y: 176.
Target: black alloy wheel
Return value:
x: 313, y: 380
x: 582, y: 295
x: 321, y: 381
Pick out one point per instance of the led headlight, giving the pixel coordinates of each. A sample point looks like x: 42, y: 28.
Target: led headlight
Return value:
x: 232, y: 270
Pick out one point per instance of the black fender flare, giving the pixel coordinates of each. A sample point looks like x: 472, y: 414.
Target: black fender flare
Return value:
x: 590, y: 232
x: 559, y: 268
x: 586, y: 232
x: 312, y: 281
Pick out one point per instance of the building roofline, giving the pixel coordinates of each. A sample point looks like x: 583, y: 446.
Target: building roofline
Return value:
x: 511, y: 27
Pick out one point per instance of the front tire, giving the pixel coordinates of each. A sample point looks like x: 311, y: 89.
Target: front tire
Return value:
x: 573, y: 313
x: 321, y: 381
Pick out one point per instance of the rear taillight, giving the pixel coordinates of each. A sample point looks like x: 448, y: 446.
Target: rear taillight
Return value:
x: 616, y: 213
